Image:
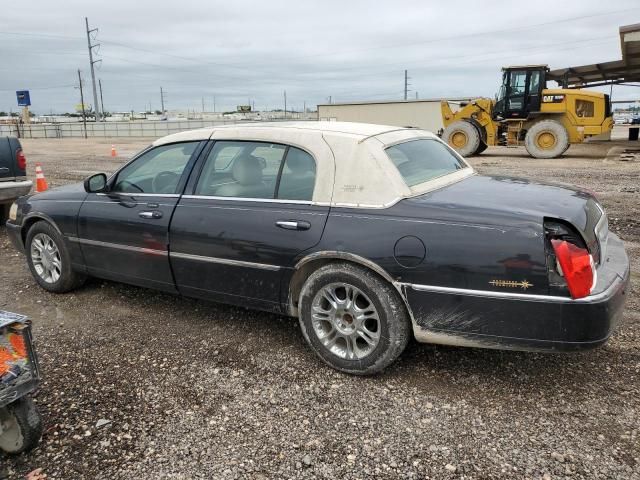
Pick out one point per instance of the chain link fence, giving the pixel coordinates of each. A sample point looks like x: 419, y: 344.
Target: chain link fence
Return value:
x: 153, y: 129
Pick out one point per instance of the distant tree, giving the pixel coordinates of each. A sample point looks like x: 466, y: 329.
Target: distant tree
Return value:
x: 158, y: 112
x: 3, y: 114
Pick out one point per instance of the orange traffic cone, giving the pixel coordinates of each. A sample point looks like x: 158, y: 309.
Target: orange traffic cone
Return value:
x: 113, y: 151
x: 41, y: 182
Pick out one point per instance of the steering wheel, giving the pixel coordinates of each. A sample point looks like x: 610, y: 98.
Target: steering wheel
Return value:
x: 126, y: 186
x: 165, y: 182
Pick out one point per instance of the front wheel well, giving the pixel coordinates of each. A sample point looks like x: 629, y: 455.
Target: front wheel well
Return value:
x: 30, y: 222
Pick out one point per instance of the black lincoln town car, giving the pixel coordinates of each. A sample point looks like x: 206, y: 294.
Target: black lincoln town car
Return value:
x: 366, y: 233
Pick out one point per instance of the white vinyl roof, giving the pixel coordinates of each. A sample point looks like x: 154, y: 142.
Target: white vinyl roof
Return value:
x: 352, y: 168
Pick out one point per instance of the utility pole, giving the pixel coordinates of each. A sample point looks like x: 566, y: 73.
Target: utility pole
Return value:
x: 101, y: 99
x: 285, y: 104
x: 162, y: 100
x: 92, y: 63
x: 304, y: 107
x: 202, y: 104
x: 84, y: 117
x: 214, y: 104
x: 406, y: 84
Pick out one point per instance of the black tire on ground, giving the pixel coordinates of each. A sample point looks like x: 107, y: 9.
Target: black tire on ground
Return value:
x: 4, y: 213
x: 24, y: 426
x: 546, y: 139
x: 69, y: 279
x: 463, y: 137
x: 483, y: 146
x: 394, y: 323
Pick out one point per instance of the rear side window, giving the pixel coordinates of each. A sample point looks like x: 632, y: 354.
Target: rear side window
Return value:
x: 298, y: 176
x: 419, y: 161
x: 242, y: 169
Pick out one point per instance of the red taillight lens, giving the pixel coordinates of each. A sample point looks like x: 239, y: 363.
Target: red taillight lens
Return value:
x: 577, y: 267
x: 21, y: 160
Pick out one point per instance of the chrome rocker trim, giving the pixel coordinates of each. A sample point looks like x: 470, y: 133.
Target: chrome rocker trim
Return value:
x: 528, y: 297
x: 223, y: 261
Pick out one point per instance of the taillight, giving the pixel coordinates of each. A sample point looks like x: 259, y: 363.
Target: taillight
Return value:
x: 577, y: 267
x: 21, y: 160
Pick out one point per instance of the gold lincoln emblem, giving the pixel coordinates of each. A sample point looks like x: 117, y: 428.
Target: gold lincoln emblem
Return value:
x: 511, y: 284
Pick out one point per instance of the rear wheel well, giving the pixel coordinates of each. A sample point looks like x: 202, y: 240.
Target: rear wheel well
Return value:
x: 302, y: 273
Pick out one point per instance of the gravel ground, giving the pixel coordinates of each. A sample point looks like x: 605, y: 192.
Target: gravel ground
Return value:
x: 139, y: 384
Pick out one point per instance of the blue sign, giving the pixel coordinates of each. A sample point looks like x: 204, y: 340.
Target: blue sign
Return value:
x: 23, y: 98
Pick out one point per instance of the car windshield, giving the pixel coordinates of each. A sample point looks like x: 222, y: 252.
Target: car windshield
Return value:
x: 419, y: 161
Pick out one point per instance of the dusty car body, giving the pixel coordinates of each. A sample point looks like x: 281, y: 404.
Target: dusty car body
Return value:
x: 369, y: 234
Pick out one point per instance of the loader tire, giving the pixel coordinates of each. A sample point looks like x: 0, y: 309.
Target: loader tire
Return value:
x: 463, y: 137
x: 483, y: 146
x: 546, y: 139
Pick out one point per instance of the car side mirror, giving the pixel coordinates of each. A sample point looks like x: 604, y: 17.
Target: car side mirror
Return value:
x: 95, y: 183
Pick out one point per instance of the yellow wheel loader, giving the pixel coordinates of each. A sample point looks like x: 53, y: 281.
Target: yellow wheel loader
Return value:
x: 525, y: 112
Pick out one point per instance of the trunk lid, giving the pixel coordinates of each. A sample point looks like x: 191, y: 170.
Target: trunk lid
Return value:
x: 509, y: 201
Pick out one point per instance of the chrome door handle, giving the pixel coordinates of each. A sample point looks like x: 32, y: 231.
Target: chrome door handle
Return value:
x: 293, y: 225
x: 152, y: 215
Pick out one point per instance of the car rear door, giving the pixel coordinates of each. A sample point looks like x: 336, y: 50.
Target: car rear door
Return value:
x: 123, y: 233
x: 243, y: 221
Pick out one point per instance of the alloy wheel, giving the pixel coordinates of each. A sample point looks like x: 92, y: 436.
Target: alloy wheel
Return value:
x: 345, y: 321
x: 45, y: 257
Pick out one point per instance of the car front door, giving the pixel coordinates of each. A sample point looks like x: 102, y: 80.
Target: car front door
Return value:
x: 248, y: 216
x: 123, y: 233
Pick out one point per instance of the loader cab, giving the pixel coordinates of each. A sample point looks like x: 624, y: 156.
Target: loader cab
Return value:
x: 520, y: 93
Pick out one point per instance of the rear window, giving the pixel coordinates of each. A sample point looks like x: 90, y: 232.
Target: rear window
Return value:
x: 419, y: 161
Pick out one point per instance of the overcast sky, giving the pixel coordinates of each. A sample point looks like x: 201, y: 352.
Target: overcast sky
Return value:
x: 255, y: 49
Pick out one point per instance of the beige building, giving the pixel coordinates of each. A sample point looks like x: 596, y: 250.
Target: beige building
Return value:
x: 425, y: 114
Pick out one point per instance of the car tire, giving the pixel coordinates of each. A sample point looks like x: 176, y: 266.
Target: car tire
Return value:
x: 463, y: 137
x: 24, y: 426
x: 368, y: 331
x: 546, y: 139
x: 4, y: 213
x: 52, y: 270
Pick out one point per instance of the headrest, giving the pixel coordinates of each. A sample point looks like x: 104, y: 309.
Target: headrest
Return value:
x: 247, y: 170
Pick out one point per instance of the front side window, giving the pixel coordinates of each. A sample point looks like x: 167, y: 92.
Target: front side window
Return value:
x: 257, y: 170
x: 155, y: 171
x: 419, y: 161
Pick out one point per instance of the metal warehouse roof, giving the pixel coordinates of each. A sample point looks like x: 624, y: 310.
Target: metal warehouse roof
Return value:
x: 410, y: 100
x: 619, y: 71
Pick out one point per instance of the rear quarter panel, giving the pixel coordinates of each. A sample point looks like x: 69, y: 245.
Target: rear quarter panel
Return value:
x: 460, y: 252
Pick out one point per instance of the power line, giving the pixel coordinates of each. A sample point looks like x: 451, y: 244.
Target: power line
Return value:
x: 40, y: 88
x: 376, y: 48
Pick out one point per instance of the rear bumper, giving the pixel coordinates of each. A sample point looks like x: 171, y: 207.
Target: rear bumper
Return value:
x: 520, y: 321
x: 9, y: 191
